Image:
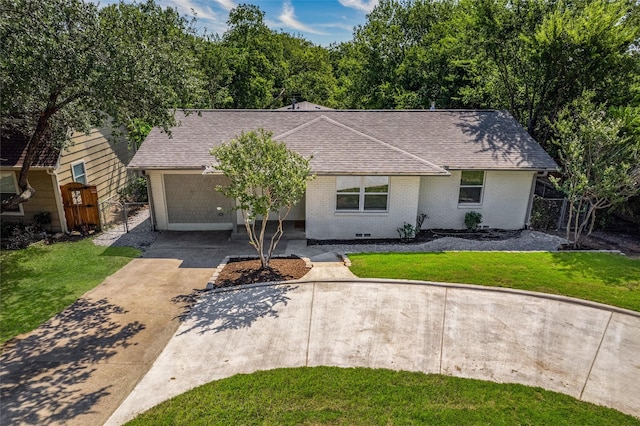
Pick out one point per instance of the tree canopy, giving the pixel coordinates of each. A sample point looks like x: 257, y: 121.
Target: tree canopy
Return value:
x: 601, y: 165
x: 67, y: 66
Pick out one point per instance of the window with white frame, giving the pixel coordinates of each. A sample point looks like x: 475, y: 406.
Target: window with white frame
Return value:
x: 8, y: 188
x: 362, y: 193
x: 471, y: 187
x: 79, y: 173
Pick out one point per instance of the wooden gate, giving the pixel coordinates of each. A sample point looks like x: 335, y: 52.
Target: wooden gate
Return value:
x: 81, y: 207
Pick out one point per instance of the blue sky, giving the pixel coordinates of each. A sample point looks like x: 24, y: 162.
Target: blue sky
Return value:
x: 320, y: 21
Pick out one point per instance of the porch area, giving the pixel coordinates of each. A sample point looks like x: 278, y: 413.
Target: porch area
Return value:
x: 293, y: 230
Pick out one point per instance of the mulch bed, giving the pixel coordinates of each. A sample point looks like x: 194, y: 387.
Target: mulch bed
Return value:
x: 429, y: 235
x: 244, y: 272
x: 627, y: 244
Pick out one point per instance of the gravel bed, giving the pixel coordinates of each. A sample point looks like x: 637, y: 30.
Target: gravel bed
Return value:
x: 141, y: 237
x: 140, y: 234
x: 527, y: 241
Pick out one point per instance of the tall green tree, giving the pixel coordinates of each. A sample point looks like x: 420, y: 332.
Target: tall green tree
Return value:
x: 251, y: 66
x: 67, y: 66
x: 536, y: 56
x: 405, y: 56
x: 601, y: 164
x: 255, y: 61
x: 264, y: 178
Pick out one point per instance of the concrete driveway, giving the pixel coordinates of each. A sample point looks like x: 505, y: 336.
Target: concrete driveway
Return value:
x: 582, y: 349
x: 77, y: 368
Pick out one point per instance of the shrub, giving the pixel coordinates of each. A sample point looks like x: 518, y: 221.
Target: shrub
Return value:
x: 406, y: 231
x: 42, y: 218
x: 545, y: 214
x: 135, y: 191
x: 472, y: 220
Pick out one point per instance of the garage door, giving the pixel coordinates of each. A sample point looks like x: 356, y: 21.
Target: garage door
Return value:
x: 194, y: 204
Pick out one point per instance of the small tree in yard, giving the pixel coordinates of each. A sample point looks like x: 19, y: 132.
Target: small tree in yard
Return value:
x: 265, y: 177
x: 600, y: 164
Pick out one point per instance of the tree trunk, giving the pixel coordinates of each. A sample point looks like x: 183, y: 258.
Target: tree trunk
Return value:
x: 33, y: 147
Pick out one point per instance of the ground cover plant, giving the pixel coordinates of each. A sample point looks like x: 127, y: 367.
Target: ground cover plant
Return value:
x: 600, y: 277
x: 359, y: 396
x: 42, y: 280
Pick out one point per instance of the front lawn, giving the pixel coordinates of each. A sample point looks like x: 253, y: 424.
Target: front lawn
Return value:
x: 42, y: 280
x: 600, y: 277
x: 360, y: 396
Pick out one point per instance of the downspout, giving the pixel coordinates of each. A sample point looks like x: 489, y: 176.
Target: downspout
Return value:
x: 532, y: 194
x: 58, y: 197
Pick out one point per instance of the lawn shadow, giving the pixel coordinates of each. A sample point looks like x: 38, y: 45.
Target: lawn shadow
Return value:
x: 13, y: 270
x: 216, y: 312
x: 610, y: 268
x: 42, y: 375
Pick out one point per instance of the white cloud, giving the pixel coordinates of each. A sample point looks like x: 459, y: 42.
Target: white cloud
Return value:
x: 187, y: 7
x: 364, y: 5
x: 288, y: 19
x: 226, y: 4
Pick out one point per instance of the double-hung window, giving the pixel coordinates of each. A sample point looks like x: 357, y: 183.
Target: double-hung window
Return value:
x: 8, y: 188
x: 79, y: 173
x: 471, y: 187
x: 362, y: 193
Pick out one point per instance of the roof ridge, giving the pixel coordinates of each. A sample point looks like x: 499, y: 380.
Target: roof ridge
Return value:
x: 386, y: 144
x: 299, y: 127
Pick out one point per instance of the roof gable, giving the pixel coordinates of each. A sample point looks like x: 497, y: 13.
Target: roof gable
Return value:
x: 323, y: 138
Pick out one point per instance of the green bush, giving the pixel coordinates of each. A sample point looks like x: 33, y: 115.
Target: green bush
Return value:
x: 42, y: 218
x: 472, y: 220
x: 406, y: 231
x: 545, y: 214
x: 135, y: 191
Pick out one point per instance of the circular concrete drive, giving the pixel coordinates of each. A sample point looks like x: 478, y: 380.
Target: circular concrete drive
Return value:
x: 586, y: 350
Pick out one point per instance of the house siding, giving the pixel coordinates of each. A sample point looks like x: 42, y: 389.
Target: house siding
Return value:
x: 105, y: 161
x: 504, y: 203
x: 324, y: 223
x: 43, y: 200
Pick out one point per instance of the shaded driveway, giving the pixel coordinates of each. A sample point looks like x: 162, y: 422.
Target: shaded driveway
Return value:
x: 77, y: 368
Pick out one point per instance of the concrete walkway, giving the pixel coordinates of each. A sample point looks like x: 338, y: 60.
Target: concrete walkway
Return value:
x: 585, y: 350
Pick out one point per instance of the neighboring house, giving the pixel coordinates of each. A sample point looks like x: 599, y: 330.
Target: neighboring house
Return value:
x: 375, y: 170
x: 92, y: 159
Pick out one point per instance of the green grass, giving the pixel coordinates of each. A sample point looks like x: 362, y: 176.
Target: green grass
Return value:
x: 358, y: 396
x: 600, y: 277
x: 40, y: 281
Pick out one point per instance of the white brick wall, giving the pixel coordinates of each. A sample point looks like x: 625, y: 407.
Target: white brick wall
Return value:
x: 504, y: 204
x: 323, y: 222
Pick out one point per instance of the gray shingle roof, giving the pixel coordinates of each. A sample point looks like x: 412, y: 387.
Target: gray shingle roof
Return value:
x: 13, y: 148
x: 416, y: 142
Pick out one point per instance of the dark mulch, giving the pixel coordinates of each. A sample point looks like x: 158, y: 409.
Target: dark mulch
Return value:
x: 249, y: 272
x: 599, y: 240
x: 430, y: 235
